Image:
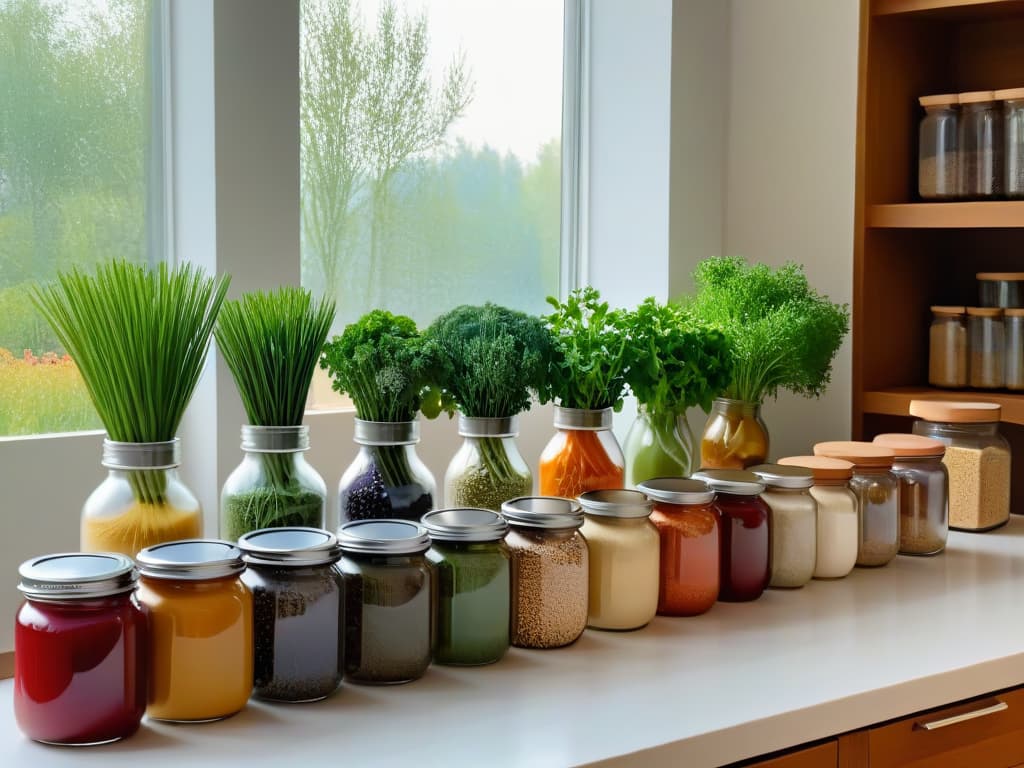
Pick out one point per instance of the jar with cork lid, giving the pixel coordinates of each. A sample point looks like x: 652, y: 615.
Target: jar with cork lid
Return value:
x: 924, y: 492
x: 988, y: 345
x: 1013, y: 355
x: 947, y: 347
x: 937, y: 147
x: 979, y: 146
x: 1013, y: 132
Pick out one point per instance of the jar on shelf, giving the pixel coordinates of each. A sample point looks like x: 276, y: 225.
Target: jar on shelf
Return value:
x: 988, y: 345
x: 297, y: 596
x: 937, y: 147
x: 274, y: 486
x: 624, y: 549
x: 550, y: 571
x: 80, y: 638
x: 687, y: 522
x: 734, y: 437
x: 924, y: 492
x: 389, y: 601
x: 977, y: 459
x: 488, y: 469
x: 584, y: 455
x: 947, y: 347
x: 1000, y: 289
x: 474, y: 578
x: 745, y: 549
x: 1013, y: 355
x: 793, y: 521
x: 200, y: 620
x: 877, y: 492
x: 387, y: 479
x: 1013, y: 134
x: 838, y: 533
x: 980, y: 146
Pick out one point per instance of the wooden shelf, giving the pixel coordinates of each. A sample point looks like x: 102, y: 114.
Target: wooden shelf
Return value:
x: 949, y: 9
x: 976, y: 215
x: 895, y: 401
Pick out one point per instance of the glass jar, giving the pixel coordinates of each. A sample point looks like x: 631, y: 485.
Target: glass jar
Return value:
x: 793, y: 521
x: 735, y: 436
x: 474, y: 590
x: 389, y: 601
x: 387, y: 479
x: 623, y: 549
x: 584, y: 454
x: 658, y: 445
x: 687, y: 523
x: 1013, y: 132
x: 924, y: 492
x: 488, y: 469
x: 937, y: 148
x: 977, y: 459
x: 550, y: 571
x: 141, y: 502
x: 838, y: 531
x: 1013, y: 355
x: 1000, y: 289
x: 200, y: 621
x: 980, y: 146
x: 79, y: 650
x: 274, y: 486
x: 987, y: 345
x: 877, y: 492
x: 745, y: 535
x: 298, y: 612
x: 947, y: 347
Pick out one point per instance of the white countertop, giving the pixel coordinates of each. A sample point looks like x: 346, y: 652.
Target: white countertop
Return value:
x: 742, y: 680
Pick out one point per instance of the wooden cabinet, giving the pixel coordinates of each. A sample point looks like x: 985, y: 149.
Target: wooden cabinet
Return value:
x: 820, y: 756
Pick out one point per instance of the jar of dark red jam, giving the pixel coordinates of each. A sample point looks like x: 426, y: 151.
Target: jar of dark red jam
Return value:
x: 79, y: 649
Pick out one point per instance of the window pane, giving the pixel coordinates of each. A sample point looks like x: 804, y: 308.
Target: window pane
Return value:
x: 74, y: 128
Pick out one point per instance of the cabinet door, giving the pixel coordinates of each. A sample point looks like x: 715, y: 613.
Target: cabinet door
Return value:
x: 821, y: 756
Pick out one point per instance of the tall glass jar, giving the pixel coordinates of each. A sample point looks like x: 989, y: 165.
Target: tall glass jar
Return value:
x: 658, y: 445
x: 1013, y: 132
x: 624, y: 548
x: 746, y: 533
x: 298, y: 612
x: 79, y: 650
x: 141, y: 502
x: 987, y: 345
x: 924, y: 492
x: 584, y: 454
x: 793, y: 522
x: 550, y: 571
x: 980, y: 146
x: 1013, y: 356
x: 274, y: 486
x: 488, y: 469
x: 735, y: 436
x: 387, y: 479
x: 947, y: 347
x: 937, y: 147
x: 977, y: 458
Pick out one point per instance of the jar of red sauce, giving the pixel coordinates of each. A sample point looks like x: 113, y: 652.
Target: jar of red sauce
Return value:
x: 687, y: 522
x: 79, y: 649
x: 746, y: 537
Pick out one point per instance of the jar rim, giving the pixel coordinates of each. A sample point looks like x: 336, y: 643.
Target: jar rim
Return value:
x: 290, y: 546
x: 257, y: 438
x: 593, y: 419
x: 488, y: 426
x: 77, y: 576
x: 383, y: 537
x: 783, y: 476
x: 464, y: 524
x: 550, y: 512
x: 736, y: 482
x: 165, y: 454
x: 191, y: 560
x: 677, y: 490
x: 619, y: 503
x: 382, y: 433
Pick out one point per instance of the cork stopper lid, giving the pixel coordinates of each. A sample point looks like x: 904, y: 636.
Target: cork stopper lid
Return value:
x: 939, y: 100
x: 1005, y: 276
x: 824, y: 468
x: 976, y: 97
x: 1005, y: 94
x: 955, y: 412
x: 911, y: 445
x: 860, y: 454
x: 948, y: 311
x: 984, y: 311
x: 1014, y: 311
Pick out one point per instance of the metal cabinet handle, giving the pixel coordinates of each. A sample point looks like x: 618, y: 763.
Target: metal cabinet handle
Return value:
x: 991, y: 707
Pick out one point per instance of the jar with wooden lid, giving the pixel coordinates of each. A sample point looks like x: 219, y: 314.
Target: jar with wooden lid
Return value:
x: 937, y: 147
x: 947, y: 347
x: 987, y: 343
x: 977, y: 459
x: 1000, y: 289
x: 838, y: 529
x: 1013, y: 134
x: 793, y: 521
x: 980, y: 146
x: 1013, y: 355
x: 924, y: 492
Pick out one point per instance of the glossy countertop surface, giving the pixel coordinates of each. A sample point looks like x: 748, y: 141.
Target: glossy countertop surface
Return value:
x: 742, y: 680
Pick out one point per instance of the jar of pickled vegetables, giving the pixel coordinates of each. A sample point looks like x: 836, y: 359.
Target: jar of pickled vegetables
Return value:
x: 735, y: 436
x: 584, y: 454
x: 924, y: 492
x: 793, y: 522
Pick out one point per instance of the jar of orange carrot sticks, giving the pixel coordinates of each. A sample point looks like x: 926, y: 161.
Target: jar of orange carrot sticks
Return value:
x: 584, y: 455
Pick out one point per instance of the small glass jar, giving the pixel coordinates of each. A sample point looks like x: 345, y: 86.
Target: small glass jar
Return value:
x: 550, y: 571
x: 937, y: 147
x: 877, y: 492
x: 735, y: 436
x: 1013, y: 133
x: 624, y: 548
x: 142, y: 501
x: 947, y: 347
x: 473, y: 585
x: 1000, y: 289
x: 977, y: 459
x: 298, y: 612
x: 793, y: 522
x: 584, y: 454
x: 987, y: 345
x: 387, y: 479
x: 200, y: 620
x: 924, y: 492
x: 838, y: 532
x: 745, y: 536
x: 658, y: 445
x: 389, y: 601
x: 687, y: 522
x: 488, y: 469
x: 274, y: 486
x: 980, y: 146
x: 1013, y: 356
x: 79, y: 650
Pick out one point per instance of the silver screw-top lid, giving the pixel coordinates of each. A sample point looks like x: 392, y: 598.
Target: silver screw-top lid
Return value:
x: 383, y: 537
x: 465, y: 524
x: 735, y: 481
x: 191, y: 560
x: 616, y: 503
x: 677, y: 490
x: 583, y: 418
x: 376, y: 433
x: 289, y: 547
x: 782, y: 476
x: 77, y: 576
x: 481, y: 426
x: 552, y: 512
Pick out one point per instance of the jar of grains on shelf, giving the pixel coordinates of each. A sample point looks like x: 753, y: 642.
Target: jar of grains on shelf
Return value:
x: 947, y: 347
x: 979, y: 146
x: 937, y: 147
x: 987, y: 345
x: 924, y: 490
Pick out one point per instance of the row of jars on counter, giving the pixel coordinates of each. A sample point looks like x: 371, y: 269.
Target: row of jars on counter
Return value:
x: 981, y: 347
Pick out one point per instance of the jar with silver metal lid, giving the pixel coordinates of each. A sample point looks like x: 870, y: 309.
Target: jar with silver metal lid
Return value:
x: 200, y: 614
x: 488, y: 469
x: 550, y: 571
x: 298, y: 612
x: 471, y: 564
x: 793, y: 521
x: 623, y: 549
x: 390, y: 594
x: 80, y: 636
x: 584, y: 455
